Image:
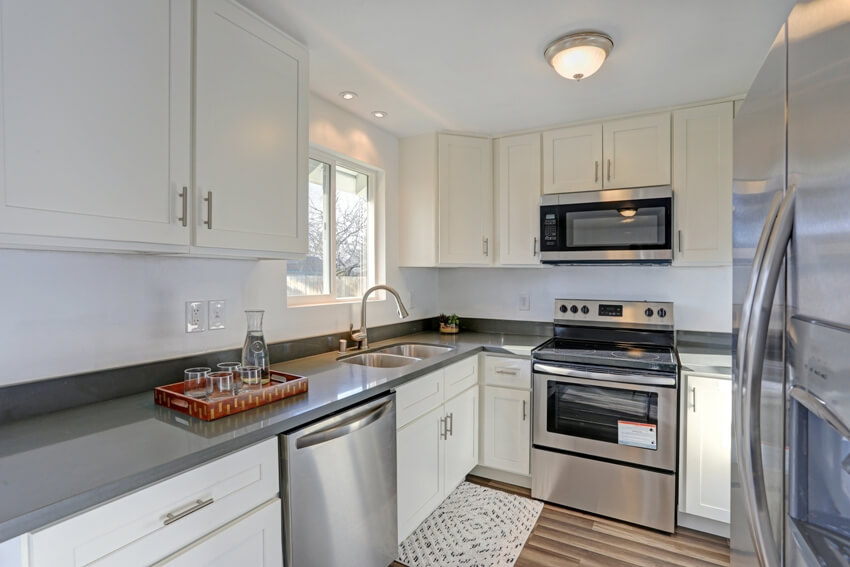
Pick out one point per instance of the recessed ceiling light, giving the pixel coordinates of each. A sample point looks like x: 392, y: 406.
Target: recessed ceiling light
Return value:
x: 578, y: 55
x: 348, y: 95
x: 379, y: 114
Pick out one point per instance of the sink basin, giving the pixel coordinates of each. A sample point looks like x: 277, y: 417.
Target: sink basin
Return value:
x: 415, y: 350
x: 379, y: 360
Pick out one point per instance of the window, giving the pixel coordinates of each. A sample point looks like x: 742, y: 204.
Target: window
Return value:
x: 340, y: 262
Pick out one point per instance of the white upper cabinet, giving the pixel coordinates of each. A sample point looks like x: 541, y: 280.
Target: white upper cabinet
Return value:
x: 702, y: 184
x: 250, y: 133
x: 519, y: 196
x: 631, y: 152
x: 572, y: 159
x: 95, y: 123
x: 446, y: 201
x: 466, y: 199
x: 636, y: 151
x: 97, y: 129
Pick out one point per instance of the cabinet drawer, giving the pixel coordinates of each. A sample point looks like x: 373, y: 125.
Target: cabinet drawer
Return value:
x: 418, y: 397
x: 132, y: 530
x: 507, y: 372
x: 460, y: 376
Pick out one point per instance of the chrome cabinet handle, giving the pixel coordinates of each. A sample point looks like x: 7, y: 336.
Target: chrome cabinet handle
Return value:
x: 171, y: 517
x: 485, y: 245
x: 596, y: 172
x: 184, y: 196
x: 609, y: 170
x: 680, y: 241
x: 444, y: 430
x: 208, y: 200
x: 507, y: 370
x: 534, y: 247
x: 524, y: 411
x: 450, y: 424
x: 750, y: 459
x: 694, y: 394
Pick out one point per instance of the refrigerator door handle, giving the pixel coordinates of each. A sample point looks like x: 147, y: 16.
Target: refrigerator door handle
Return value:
x: 749, y: 448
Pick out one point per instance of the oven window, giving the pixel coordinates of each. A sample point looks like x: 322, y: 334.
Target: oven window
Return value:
x: 598, y: 413
x: 598, y: 228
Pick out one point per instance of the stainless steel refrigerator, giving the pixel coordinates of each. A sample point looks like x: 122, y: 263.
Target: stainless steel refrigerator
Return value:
x: 791, y: 294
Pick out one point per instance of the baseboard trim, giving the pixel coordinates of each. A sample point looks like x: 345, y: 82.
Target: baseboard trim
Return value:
x: 701, y: 524
x: 502, y: 476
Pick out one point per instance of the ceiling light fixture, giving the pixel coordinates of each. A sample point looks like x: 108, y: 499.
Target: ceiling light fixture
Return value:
x: 578, y: 55
x: 348, y: 95
x: 379, y: 114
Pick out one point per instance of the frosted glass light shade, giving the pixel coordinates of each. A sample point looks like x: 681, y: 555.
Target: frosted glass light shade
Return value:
x: 578, y: 56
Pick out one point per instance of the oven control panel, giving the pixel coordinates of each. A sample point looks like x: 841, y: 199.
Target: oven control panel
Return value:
x: 631, y: 314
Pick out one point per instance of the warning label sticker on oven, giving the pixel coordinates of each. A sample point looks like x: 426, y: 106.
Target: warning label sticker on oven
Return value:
x: 643, y: 435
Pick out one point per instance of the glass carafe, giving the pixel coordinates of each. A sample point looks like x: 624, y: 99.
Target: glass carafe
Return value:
x: 256, y: 352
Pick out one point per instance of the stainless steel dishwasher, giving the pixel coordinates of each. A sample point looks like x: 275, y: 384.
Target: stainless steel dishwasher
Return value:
x: 339, y: 488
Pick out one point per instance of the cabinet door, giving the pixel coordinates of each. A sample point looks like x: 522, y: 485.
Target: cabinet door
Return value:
x: 636, y: 151
x: 465, y: 199
x: 250, y: 133
x: 420, y: 470
x: 95, y: 140
x: 702, y: 184
x: 519, y: 197
x: 708, y: 447
x: 462, y: 437
x: 507, y: 429
x: 254, y: 540
x: 572, y: 159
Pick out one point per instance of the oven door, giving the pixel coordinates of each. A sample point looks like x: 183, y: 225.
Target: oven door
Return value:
x: 626, y: 225
x: 596, y: 412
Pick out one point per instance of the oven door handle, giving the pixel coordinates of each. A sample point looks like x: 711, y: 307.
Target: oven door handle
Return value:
x: 602, y: 376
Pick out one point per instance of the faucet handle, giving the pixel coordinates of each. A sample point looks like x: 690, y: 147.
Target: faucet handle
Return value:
x: 358, y: 335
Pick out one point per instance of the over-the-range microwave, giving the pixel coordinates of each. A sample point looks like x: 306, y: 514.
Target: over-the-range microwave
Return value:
x: 627, y: 226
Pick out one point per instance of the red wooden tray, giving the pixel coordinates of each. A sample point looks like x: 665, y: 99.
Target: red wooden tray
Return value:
x: 281, y: 385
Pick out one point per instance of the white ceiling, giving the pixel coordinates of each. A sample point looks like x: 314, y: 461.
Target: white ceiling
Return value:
x: 477, y: 65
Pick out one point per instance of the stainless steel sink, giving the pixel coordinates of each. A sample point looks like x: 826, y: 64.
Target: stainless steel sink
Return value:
x: 415, y: 350
x: 379, y: 360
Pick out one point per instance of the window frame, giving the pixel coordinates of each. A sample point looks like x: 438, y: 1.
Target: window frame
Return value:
x: 375, y: 177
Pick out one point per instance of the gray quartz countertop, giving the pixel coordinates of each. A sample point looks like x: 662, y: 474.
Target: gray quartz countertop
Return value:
x: 55, y: 465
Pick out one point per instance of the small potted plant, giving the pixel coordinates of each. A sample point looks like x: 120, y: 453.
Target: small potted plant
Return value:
x: 449, y: 323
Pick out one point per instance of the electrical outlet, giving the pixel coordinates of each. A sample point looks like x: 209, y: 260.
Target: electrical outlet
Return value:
x: 215, y: 314
x: 195, y: 317
x: 524, y: 302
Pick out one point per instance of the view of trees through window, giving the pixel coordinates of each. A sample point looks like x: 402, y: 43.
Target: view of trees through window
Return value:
x: 339, y: 229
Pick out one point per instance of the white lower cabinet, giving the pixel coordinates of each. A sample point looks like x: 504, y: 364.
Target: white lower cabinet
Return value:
x: 172, y: 516
x: 706, y: 460
x: 250, y: 541
x: 437, y: 441
x: 507, y: 429
x: 506, y: 414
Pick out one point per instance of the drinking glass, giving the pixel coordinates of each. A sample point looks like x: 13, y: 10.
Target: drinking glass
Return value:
x: 233, y: 368
x: 251, y: 377
x: 196, y: 383
x: 222, y: 384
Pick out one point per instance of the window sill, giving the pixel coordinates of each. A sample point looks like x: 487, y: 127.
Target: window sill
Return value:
x: 377, y: 297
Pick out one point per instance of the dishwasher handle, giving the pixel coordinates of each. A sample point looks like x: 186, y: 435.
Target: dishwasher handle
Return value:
x: 349, y: 424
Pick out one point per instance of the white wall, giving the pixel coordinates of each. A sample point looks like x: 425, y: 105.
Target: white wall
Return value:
x: 70, y: 312
x: 702, y: 296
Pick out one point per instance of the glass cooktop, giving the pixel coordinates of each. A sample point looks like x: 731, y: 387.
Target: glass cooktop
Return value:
x: 644, y: 357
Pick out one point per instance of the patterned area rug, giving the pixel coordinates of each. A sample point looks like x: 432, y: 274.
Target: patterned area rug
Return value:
x: 474, y: 527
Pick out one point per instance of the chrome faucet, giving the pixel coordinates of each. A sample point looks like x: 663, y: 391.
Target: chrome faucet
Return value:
x: 360, y: 336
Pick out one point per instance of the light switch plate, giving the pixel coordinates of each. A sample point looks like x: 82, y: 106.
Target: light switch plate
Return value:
x: 215, y: 314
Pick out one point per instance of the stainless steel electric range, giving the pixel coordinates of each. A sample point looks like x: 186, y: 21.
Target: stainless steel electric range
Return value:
x: 605, y: 426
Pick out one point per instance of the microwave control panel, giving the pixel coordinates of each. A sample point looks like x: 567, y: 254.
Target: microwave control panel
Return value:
x: 549, y: 228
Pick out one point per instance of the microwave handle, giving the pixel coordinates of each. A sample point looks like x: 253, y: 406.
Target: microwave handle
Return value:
x: 603, y: 376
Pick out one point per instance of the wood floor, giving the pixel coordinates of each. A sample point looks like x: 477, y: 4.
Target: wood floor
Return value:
x: 567, y: 538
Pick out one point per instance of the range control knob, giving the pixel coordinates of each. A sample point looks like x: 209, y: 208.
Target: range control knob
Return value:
x: 662, y: 312
x: 585, y: 309
x: 573, y: 309
x: 563, y: 309
x: 648, y: 312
